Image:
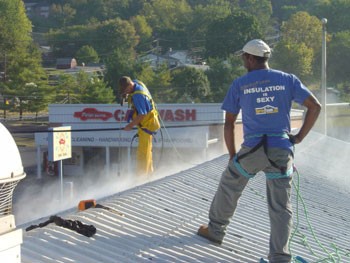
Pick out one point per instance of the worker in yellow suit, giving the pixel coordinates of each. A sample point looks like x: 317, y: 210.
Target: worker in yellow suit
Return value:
x: 144, y: 115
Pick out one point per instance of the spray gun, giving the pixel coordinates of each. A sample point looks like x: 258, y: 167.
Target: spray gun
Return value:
x: 123, y: 98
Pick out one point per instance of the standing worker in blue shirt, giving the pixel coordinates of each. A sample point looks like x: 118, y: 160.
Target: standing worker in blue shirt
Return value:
x: 265, y: 97
x: 144, y: 115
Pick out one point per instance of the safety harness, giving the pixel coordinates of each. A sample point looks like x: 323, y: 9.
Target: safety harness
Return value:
x: 151, y: 123
x: 263, y: 143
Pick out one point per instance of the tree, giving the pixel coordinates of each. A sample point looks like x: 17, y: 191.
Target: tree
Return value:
x: 167, y: 14
x: 15, y: 26
x: 158, y: 81
x: 336, y: 11
x: 283, y: 9
x: 303, y: 28
x: 87, y: 54
x: 203, y: 16
x: 92, y: 89
x: 221, y: 74
x: 67, y: 90
x: 227, y: 35
x: 344, y: 89
x: 83, y: 88
x: 39, y: 96
x: 300, y: 48
x: 119, y: 63
x: 337, y: 63
x: 191, y: 85
x: 169, y: 19
x: 104, y: 36
x: 23, y: 69
x: 261, y: 9
x: 144, y: 31
x: 22, y: 60
x: 92, y: 10
x: 295, y: 58
x: 62, y: 14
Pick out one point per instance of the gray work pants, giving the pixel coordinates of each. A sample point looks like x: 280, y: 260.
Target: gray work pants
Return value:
x: 230, y: 189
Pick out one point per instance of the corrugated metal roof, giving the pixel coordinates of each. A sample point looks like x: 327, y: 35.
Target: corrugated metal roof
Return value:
x: 160, y: 219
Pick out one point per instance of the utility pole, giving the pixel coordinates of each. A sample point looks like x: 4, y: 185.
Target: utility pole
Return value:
x: 323, y: 78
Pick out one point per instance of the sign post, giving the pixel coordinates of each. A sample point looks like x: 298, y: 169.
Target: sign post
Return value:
x: 60, y: 148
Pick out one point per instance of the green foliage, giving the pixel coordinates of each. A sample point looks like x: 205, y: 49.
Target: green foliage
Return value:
x: 338, y: 61
x: 336, y: 11
x: 303, y: 28
x: 104, y: 37
x: 143, y: 30
x: 344, y: 88
x: 159, y: 84
x: 116, y: 32
x: 87, y: 54
x: 119, y: 63
x: 22, y: 61
x: 21, y: 71
x: 228, y: 35
x: 221, y: 74
x: 283, y: 9
x: 38, y: 98
x: 15, y: 27
x: 191, y: 85
x: 62, y: 14
x: 298, y: 51
x: 261, y: 9
x: 93, y: 89
x: 82, y: 88
x: 204, y: 15
x: 167, y: 14
x: 168, y: 19
x: 295, y: 58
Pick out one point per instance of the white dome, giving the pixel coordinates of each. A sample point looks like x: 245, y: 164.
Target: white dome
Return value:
x: 10, y: 159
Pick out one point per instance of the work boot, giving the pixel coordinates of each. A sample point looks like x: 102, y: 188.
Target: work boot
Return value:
x: 203, y: 231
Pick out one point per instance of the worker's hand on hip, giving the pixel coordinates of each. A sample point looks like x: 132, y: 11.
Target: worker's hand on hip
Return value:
x: 294, y: 139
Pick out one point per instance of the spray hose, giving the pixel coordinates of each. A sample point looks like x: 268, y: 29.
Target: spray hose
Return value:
x: 334, y: 256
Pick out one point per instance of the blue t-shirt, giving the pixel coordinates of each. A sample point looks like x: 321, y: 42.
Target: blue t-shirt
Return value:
x: 141, y: 102
x: 265, y: 97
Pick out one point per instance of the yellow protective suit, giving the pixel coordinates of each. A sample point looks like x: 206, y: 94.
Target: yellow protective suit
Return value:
x: 148, y: 126
x: 144, y: 154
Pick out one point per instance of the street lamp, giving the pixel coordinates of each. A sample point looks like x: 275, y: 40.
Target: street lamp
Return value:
x: 323, y: 77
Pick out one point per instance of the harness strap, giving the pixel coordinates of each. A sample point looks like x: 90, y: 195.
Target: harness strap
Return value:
x: 146, y: 93
x: 258, y: 135
x: 255, y: 148
x: 148, y: 131
x: 263, y: 143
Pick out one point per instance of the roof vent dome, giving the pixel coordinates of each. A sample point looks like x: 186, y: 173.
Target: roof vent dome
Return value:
x: 11, y: 169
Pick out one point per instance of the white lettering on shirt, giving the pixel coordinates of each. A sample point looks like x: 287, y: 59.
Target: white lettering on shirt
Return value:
x: 265, y: 99
x: 264, y: 89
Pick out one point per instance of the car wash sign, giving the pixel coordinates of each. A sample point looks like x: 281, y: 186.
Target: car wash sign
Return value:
x: 59, y: 143
x: 183, y: 125
x: 171, y: 114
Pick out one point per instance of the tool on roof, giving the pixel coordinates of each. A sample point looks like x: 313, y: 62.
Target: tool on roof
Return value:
x: 91, y: 203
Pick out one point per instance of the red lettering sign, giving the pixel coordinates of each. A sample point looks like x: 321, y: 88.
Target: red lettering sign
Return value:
x: 92, y: 114
x: 120, y: 115
x: 191, y: 115
x: 178, y: 115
